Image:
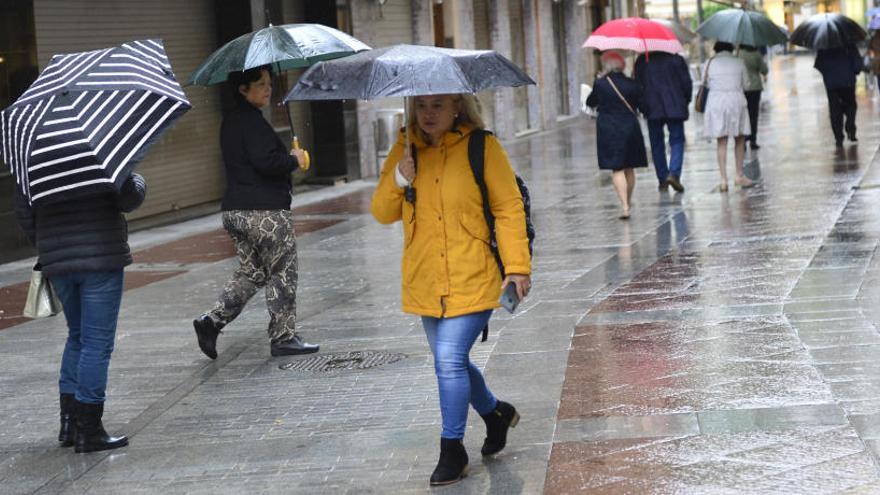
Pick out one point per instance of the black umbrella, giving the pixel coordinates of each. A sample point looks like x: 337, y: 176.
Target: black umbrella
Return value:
x: 88, y: 119
x: 823, y: 31
x: 407, y: 70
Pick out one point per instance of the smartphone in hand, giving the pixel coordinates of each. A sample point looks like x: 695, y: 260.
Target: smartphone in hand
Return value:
x: 509, y: 297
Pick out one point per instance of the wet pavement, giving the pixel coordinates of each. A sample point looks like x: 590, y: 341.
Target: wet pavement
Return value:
x: 714, y: 343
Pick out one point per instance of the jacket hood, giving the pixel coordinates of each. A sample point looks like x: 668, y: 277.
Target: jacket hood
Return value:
x: 452, y: 137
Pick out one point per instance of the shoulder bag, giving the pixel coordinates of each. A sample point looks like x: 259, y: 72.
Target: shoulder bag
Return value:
x: 703, y: 92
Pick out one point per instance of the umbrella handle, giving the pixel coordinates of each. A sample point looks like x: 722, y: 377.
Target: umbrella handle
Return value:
x: 308, y: 161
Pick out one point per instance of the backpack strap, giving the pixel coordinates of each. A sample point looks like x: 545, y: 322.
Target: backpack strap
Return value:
x: 476, y: 157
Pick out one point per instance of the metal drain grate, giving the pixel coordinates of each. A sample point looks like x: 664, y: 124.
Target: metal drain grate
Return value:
x: 354, y: 360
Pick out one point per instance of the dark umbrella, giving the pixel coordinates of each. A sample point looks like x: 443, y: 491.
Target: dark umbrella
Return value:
x: 742, y: 27
x: 823, y: 31
x: 289, y: 46
x: 88, y: 119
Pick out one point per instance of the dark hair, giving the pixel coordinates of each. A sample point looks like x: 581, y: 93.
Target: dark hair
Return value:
x: 721, y: 46
x: 239, y: 78
x: 748, y: 48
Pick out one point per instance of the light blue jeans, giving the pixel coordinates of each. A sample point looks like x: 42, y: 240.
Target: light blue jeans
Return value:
x: 459, y: 380
x: 91, y: 305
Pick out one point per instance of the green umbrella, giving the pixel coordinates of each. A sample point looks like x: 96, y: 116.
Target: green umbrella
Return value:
x: 742, y: 27
x: 286, y: 47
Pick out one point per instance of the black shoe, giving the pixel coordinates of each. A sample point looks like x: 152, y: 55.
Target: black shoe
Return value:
x: 207, y: 332
x: 292, y: 347
x: 67, y: 432
x: 663, y: 186
x: 453, y: 463
x: 852, y: 137
x: 90, y: 434
x: 498, y: 422
x: 754, y: 146
x: 838, y: 143
x: 674, y: 182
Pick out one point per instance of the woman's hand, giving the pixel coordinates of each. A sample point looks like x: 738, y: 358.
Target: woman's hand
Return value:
x: 407, y: 168
x: 300, y: 157
x: 523, y: 284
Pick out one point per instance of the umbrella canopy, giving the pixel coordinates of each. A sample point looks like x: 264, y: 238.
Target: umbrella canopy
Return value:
x: 289, y: 46
x: 683, y: 34
x: 823, y: 31
x: 742, y: 27
x: 874, y: 23
x: 407, y: 70
x: 88, y: 119
x: 636, y: 34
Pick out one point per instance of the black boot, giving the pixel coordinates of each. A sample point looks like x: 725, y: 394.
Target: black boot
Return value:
x: 207, y: 332
x: 68, y: 424
x: 497, y: 423
x: 292, y: 347
x: 453, y: 463
x: 90, y: 434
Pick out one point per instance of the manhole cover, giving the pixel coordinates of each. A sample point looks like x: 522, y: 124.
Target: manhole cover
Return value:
x: 355, y: 360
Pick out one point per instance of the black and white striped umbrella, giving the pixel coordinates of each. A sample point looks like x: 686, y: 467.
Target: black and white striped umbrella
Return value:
x: 88, y: 119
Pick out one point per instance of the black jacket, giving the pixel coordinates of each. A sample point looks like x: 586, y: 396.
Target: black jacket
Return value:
x: 258, y: 166
x: 83, y: 235
x: 666, y: 85
x: 839, y: 66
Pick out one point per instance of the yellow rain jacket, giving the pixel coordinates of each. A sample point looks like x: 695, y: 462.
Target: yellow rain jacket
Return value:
x: 448, y: 269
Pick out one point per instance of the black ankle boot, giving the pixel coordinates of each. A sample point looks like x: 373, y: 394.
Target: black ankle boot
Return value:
x: 66, y: 434
x: 206, y: 333
x: 90, y: 434
x: 453, y: 463
x: 292, y: 347
x: 497, y: 423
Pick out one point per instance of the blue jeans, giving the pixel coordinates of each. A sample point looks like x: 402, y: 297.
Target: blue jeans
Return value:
x: 91, y: 306
x: 658, y: 146
x: 459, y: 380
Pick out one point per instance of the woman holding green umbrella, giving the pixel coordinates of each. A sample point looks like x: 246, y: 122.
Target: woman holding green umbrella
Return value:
x: 256, y: 205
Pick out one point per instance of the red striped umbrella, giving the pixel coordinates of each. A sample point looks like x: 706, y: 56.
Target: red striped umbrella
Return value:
x: 635, y: 34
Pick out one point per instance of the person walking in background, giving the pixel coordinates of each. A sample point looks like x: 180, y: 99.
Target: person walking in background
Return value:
x: 666, y: 93
x: 756, y: 69
x: 455, y: 284
x: 82, y: 247
x: 256, y: 214
x: 726, y: 110
x: 839, y: 68
x: 619, y: 142
x: 874, y: 56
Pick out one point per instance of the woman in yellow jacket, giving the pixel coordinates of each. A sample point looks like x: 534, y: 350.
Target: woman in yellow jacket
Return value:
x: 450, y: 276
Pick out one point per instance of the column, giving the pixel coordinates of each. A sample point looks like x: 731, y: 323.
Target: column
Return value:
x: 499, y: 34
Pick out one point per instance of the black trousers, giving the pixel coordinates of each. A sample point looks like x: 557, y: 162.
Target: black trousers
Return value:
x: 753, y: 98
x: 842, y: 104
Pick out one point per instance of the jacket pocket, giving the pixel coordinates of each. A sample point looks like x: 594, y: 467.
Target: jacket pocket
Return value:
x: 475, y: 227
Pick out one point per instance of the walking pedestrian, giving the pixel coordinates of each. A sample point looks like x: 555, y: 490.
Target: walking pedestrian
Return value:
x: 756, y: 69
x: 619, y: 141
x: 82, y: 247
x: 666, y: 93
x: 727, y: 110
x: 839, y: 68
x: 874, y: 56
x: 454, y: 284
x: 256, y: 214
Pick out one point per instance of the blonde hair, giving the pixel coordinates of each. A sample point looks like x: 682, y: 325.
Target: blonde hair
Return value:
x: 469, y: 113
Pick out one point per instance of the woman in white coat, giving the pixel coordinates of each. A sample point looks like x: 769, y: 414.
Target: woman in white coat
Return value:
x: 727, y: 112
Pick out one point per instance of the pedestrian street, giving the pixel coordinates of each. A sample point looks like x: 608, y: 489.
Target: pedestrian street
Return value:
x: 712, y: 343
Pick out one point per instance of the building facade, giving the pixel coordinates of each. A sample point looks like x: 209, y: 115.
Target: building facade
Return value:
x: 185, y: 171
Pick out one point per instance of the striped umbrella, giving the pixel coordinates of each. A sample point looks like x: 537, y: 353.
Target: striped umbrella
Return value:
x: 88, y: 119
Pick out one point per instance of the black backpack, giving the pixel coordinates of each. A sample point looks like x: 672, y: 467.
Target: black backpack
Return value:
x: 476, y: 157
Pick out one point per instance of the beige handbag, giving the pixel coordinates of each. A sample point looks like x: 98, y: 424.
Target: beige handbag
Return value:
x: 42, y: 301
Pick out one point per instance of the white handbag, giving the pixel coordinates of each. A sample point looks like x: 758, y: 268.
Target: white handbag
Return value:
x: 42, y: 301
